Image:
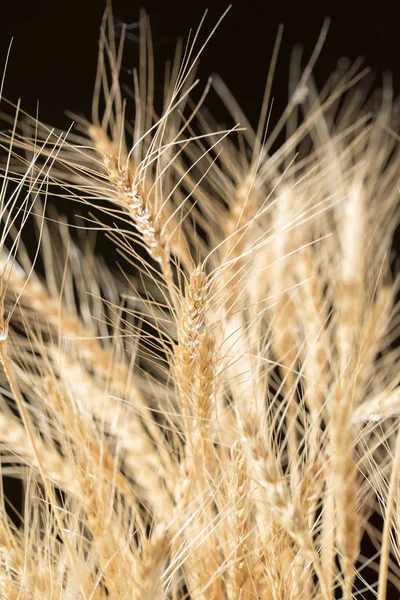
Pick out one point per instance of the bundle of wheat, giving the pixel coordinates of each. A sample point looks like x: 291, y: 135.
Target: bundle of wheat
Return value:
x: 213, y: 414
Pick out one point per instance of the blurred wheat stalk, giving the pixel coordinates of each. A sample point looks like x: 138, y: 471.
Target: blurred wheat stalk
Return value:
x: 217, y: 418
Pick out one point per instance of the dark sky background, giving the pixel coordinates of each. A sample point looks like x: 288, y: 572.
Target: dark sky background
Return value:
x: 54, y: 50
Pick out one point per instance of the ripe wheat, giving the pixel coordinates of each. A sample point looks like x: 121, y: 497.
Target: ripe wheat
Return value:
x: 214, y: 413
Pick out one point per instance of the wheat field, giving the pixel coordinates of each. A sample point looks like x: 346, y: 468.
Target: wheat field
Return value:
x: 199, y: 382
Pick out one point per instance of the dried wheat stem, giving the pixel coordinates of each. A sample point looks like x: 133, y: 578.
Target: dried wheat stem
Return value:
x: 328, y: 538
x: 349, y: 299
x: 109, y: 537
x: 195, y: 367
x: 76, y: 426
x: 378, y: 407
x: 266, y: 471
x: 114, y: 557
x: 202, y: 562
x: 264, y: 467
x: 145, y: 462
x: 237, y: 229
x: 239, y: 585
x: 312, y: 313
x: 4, y: 360
x: 285, y: 348
x: 344, y: 484
x: 284, y: 323
x: 390, y: 503
x: 53, y: 312
x: 237, y: 233
x: 56, y: 469
x: 103, y: 363
x: 149, y: 568
x: 370, y: 341
x: 198, y: 548
x: 349, y: 304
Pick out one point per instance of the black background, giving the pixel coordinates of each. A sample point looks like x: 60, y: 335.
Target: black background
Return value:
x: 54, y: 49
